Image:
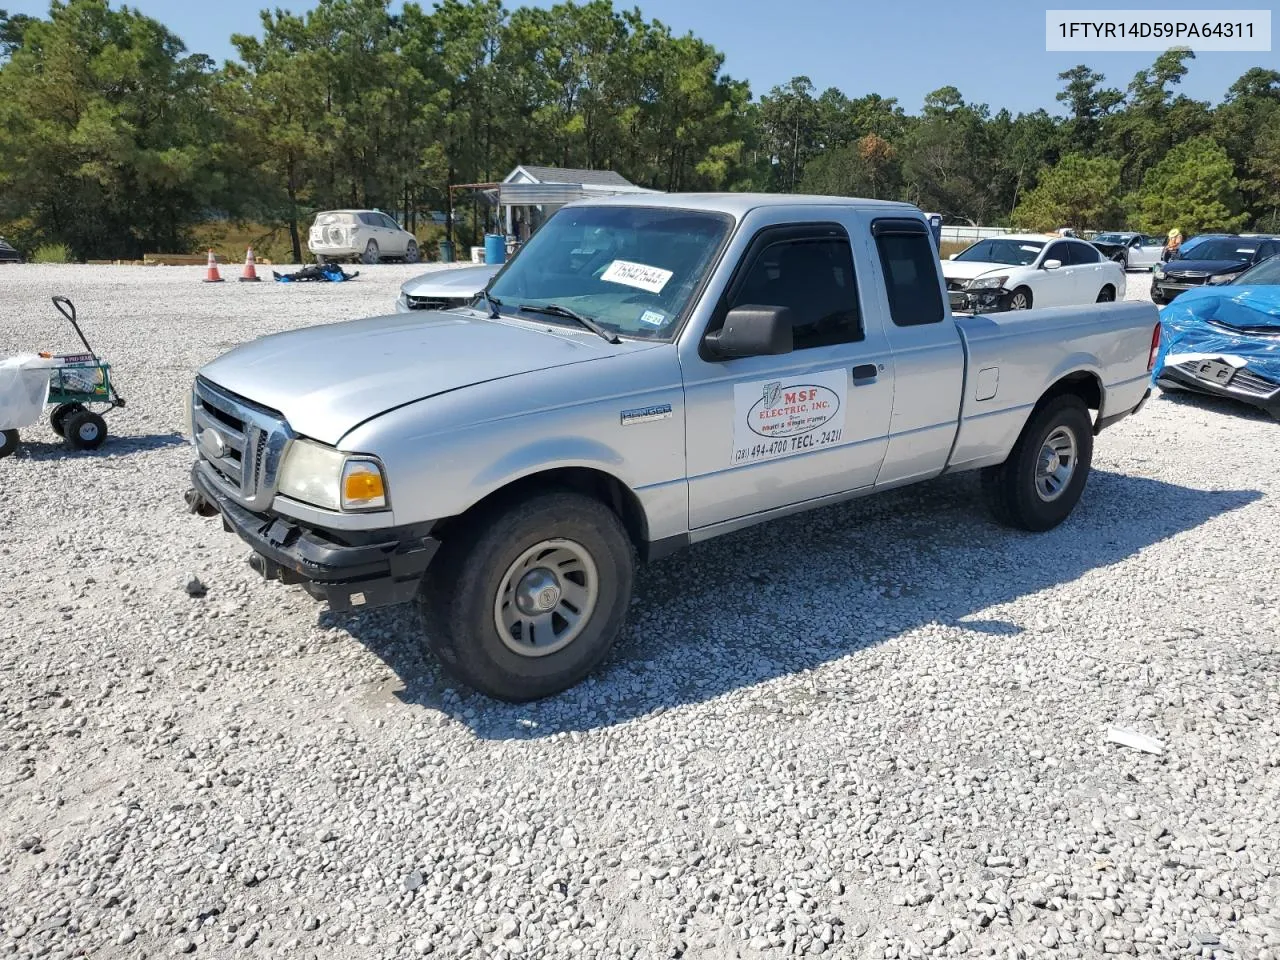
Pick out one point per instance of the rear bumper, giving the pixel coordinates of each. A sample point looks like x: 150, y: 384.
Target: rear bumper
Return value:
x: 346, y: 569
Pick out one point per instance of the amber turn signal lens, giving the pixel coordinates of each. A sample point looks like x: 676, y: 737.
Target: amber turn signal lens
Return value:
x: 363, y: 487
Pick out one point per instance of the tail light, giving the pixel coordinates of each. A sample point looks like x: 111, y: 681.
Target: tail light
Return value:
x: 1155, y: 347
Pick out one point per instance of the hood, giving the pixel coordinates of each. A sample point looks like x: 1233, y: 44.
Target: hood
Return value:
x: 451, y: 283
x: 1207, y: 267
x: 326, y: 380
x: 969, y: 269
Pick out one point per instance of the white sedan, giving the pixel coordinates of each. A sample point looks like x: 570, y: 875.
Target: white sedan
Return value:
x: 1022, y: 271
x: 369, y: 235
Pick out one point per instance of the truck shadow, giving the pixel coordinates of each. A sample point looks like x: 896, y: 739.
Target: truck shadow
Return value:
x: 794, y: 594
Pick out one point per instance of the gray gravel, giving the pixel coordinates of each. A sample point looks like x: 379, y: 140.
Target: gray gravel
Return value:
x: 877, y: 730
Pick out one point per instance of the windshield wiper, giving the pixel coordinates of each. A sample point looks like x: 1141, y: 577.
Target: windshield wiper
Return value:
x: 555, y: 310
x: 493, y: 303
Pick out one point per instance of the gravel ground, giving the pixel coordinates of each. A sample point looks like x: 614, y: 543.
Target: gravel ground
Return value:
x: 875, y: 730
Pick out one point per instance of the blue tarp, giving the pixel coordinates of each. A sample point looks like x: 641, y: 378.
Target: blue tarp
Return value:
x: 1238, y: 325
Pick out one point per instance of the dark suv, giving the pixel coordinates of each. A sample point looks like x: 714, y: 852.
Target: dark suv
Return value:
x: 1211, y: 258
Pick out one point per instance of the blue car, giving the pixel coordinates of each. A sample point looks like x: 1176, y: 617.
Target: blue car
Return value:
x: 1224, y: 340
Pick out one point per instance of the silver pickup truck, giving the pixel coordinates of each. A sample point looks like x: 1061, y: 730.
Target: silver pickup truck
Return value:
x: 646, y: 373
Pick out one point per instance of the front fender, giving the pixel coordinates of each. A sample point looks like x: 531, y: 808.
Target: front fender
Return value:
x: 549, y: 453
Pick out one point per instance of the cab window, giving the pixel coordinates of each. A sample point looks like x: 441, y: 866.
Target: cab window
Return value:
x: 813, y: 277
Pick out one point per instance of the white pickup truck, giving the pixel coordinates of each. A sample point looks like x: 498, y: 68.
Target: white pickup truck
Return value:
x: 646, y: 373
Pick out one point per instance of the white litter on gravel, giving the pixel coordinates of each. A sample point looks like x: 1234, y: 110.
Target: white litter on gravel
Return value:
x: 875, y: 730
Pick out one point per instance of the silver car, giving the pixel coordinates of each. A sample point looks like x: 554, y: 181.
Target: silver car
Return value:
x: 648, y: 372
x: 443, y: 288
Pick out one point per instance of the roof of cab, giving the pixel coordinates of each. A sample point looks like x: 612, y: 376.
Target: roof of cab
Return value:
x: 739, y: 204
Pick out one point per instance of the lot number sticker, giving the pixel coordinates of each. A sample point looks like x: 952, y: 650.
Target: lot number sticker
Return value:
x: 637, y: 275
x: 781, y: 418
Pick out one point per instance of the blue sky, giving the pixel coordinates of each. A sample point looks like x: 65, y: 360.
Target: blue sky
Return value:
x: 993, y: 50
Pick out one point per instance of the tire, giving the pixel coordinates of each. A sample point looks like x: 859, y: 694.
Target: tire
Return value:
x: 371, y: 253
x: 411, y: 253
x: 85, y: 430
x: 9, y: 443
x: 58, y: 418
x: 462, y: 600
x: 1021, y: 490
x: 1020, y: 299
x: 1106, y: 295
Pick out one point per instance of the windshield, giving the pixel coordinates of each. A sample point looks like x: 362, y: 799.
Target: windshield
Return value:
x: 1266, y: 273
x: 1221, y: 249
x: 633, y: 270
x: 1112, y: 238
x: 1019, y: 252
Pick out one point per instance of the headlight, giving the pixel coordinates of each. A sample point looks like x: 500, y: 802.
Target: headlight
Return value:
x: 986, y: 283
x: 324, y: 477
x: 1225, y: 277
x: 1158, y: 272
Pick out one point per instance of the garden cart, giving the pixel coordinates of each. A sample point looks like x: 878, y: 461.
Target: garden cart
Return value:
x: 73, y: 383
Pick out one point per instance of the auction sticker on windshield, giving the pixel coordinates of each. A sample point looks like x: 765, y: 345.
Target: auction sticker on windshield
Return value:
x: 637, y: 275
x: 781, y: 418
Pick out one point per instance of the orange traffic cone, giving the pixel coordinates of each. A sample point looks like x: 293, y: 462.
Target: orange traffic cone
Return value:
x: 250, y: 269
x: 212, y: 276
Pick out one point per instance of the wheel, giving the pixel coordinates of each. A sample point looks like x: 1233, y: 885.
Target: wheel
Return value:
x: 84, y: 430
x: 1020, y: 299
x: 411, y: 253
x: 1037, y: 487
x: 1106, y: 295
x: 9, y: 443
x: 58, y: 418
x: 371, y: 254
x: 526, y: 601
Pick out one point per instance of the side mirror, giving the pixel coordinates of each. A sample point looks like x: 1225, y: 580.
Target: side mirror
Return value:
x: 1052, y: 264
x: 752, y: 331
x: 953, y: 256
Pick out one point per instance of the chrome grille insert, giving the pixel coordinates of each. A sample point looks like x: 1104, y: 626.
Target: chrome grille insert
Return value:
x: 241, y: 442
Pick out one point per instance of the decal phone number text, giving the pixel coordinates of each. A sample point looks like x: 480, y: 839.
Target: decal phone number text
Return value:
x: 786, y: 445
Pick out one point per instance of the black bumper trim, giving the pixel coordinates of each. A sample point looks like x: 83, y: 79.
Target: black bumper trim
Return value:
x: 1178, y: 380
x: 1104, y: 422
x: 386, y: 569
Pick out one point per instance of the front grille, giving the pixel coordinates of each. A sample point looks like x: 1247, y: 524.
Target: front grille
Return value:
x: 436, y: 303
x: 1243, y: 381
x: 1249, y: 382
x: 1191, y: 279
x: 956, y: 284
x: 241, y: 442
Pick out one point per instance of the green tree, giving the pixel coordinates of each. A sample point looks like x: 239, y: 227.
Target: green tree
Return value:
x: 790, y: 121
x: 108, y: 140
x: 1193, y: 188
x: 866, y: 168
x: 948, y: 163
x: 1078, y: 191
x: 1087, y: 103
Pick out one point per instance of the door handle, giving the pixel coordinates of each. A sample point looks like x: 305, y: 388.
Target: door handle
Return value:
x: 865, y: 371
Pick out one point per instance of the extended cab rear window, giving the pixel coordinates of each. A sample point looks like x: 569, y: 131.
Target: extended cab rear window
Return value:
x: 910, y: 272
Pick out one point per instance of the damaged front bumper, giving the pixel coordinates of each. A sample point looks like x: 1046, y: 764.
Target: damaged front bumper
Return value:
x: 346, y: 569
x: 984, y: 300
x: 1217, y: 378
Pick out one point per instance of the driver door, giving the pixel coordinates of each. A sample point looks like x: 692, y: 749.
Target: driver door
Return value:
x: 770, y: 431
